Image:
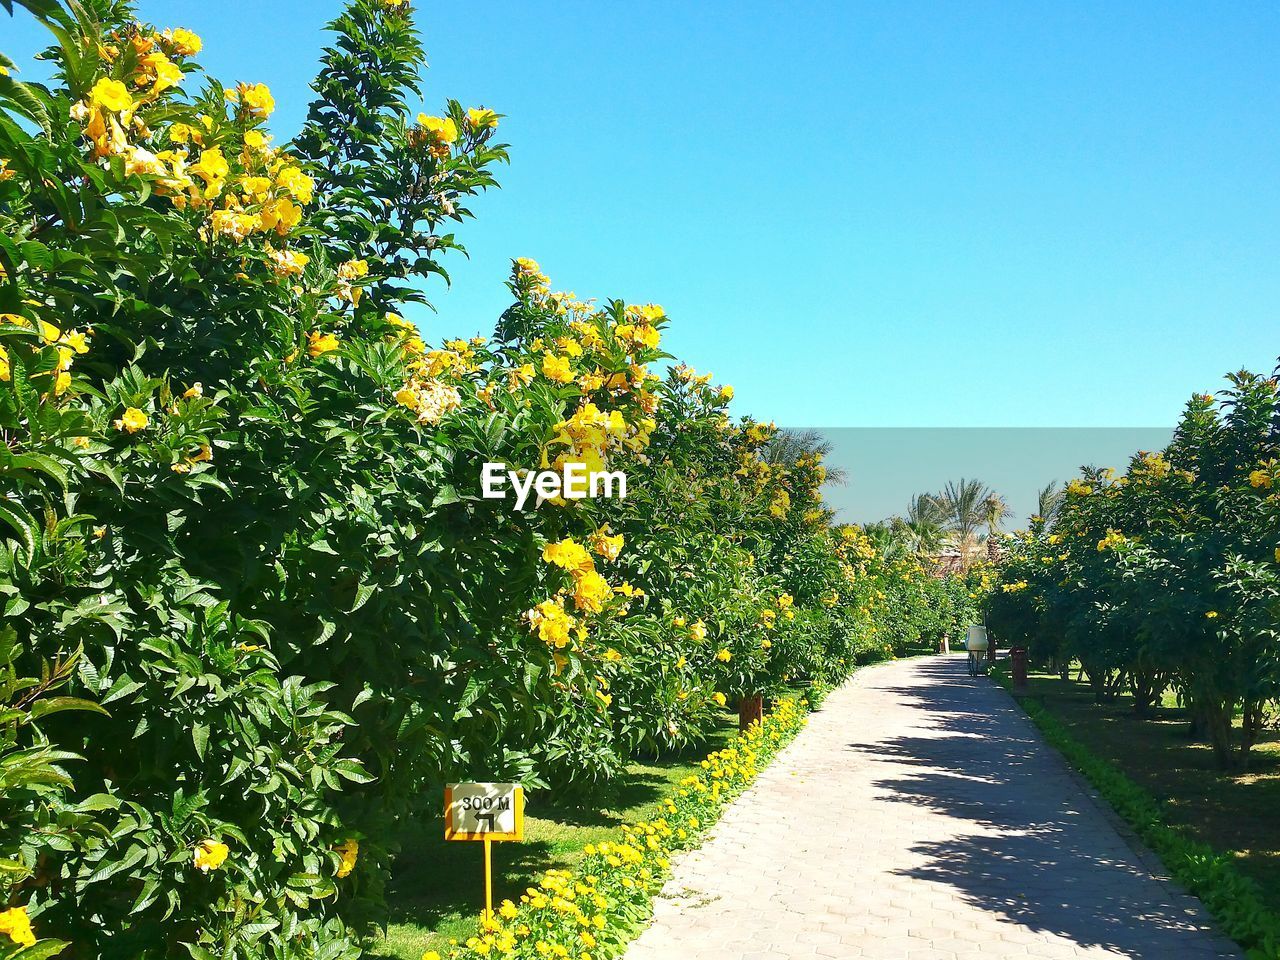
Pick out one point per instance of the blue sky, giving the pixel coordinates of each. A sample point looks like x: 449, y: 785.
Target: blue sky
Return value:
x: 914, y: 214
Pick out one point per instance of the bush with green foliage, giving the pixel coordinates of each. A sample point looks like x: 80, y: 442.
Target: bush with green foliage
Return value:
x: 241, y: 494
x: 1167, y: 576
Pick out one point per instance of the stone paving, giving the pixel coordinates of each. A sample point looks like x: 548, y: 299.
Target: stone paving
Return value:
x: 921, y: 817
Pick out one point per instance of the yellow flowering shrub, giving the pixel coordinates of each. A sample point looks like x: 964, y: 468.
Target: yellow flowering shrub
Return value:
x: 243, y: 487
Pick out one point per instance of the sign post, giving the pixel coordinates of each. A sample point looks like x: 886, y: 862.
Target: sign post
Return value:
x: 488, y: 812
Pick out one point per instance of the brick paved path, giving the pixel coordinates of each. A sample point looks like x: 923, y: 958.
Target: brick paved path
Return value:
x: 920, y: 817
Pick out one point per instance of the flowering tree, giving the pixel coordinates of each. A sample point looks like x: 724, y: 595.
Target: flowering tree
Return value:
x: 1170, y: 574
x: 240, y: 496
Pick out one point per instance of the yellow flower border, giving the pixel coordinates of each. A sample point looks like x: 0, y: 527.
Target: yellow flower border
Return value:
x: 594, y: 913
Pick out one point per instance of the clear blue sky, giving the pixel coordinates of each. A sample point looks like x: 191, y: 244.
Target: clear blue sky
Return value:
x: 913, y: 214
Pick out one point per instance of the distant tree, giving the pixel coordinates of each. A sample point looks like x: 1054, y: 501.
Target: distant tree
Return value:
x: 788, y: 446
x: 967, y: 507
x: 1048, y: 501
x: 926, y: 523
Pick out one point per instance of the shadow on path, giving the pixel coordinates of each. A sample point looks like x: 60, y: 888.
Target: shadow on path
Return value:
x: 1030, y: 846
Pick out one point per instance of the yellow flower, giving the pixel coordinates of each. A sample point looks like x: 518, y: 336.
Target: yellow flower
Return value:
x: 698, y: 632
x: 726, y: 392
x: 280, y: 215
x: 556, y: 368
x: 780, y: 504
x: 209, y: 855
x: 482, y: 118
x: 1212, y: 615
x: 350, y: 851
x: 255, y: 97
x: 183, y: 42
x: 111, y: 95
x: 131, y: 421
x: 605, y: 545
x: 15, y: 923
x: 353, y: 269
x: 1260, y: 478
x: 723, y: 655
x: 569, y: 555
x: 719, y: 698
x: 212, y: 167
x: 590, y: 591
x: 551, y: 622
x: 287, y: 263
x: 443, y: 128
x: 321, y: 343
x: 167, y: 73
x: 76, y: 341
x: 302, y: 188
x: 5, y: 372
x: 431, y: 955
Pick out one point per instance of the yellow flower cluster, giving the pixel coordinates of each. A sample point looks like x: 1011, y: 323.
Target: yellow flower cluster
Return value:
x: 574, y: 915
x: 68, y: 345
x: 16, y: 925
x: 589, y: 591
x: 1266, y: 476
x: 260, y: 189
x: 1112, y: 540
x: 430, y: 389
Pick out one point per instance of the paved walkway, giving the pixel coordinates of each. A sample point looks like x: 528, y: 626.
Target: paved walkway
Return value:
x: 920, y: 817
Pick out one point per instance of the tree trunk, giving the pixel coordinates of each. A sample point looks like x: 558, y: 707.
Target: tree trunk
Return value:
x: 1147, y: 685
x: 1251, y: 726
x: 1218, y: 720
x: 750, y: 710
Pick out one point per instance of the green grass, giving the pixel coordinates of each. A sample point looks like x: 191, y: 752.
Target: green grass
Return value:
x: 1239, y: 812
x: 437, y: 888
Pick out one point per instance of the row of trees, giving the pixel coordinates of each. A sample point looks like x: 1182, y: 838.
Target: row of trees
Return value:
x: 253, y: 606
x: 952, y: 520
x: 1167, y: 577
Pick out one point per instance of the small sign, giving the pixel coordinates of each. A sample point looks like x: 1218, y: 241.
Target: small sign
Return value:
x: 483, y: 811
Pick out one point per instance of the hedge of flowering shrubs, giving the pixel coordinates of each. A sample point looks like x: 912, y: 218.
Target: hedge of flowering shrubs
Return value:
x: 1167, y: 577
x: 596, y: 911
x: 242, y: 517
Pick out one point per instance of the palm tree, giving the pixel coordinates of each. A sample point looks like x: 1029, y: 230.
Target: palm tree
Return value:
x: 925, y: 521
x: 787, y: 446
x: 996, y: 511
x: 890, y: 537
x: 1048, y: 501
x: 967, y: 505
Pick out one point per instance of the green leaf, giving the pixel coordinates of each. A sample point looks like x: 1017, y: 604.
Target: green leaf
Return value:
x: 42, y: 708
